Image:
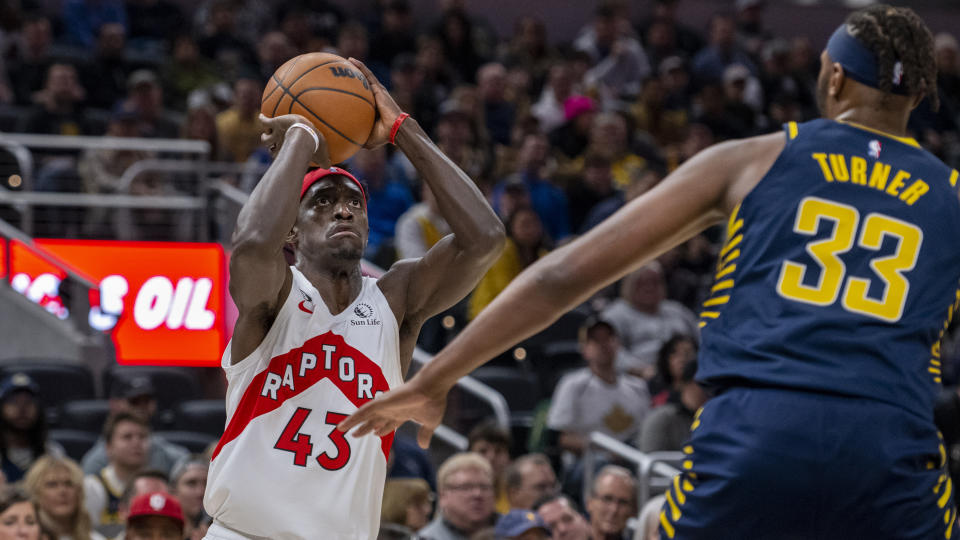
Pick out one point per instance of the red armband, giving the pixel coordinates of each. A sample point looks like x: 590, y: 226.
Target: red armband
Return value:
x: 396, y: 126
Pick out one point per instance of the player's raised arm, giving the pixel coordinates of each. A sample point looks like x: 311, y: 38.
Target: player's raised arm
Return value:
x: 700, y: 193
x: 454, y: 265
x: 259, y: 276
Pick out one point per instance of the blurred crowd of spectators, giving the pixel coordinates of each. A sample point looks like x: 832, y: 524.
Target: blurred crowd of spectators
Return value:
x: 559, y: 137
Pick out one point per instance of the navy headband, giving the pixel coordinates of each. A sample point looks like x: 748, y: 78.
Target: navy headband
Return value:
x: 859, y: 63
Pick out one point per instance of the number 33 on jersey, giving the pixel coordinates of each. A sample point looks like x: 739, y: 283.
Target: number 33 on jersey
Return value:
x: 840, y: 270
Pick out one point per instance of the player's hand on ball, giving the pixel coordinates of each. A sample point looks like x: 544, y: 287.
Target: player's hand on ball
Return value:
x: 409, y: 401
x: 275, y: 132
x: 387, y: 108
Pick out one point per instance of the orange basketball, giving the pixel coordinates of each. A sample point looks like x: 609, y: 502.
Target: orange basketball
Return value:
x: 331, y: 93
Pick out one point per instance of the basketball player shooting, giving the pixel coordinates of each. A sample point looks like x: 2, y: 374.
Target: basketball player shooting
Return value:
x: 821, y: 336
x: 316, y: 340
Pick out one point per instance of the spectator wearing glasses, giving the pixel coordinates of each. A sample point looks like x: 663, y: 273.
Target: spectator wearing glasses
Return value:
x: 612, y: 500
x: 465, y: 501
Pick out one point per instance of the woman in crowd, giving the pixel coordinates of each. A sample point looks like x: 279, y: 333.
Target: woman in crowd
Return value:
x: 526, y: 242
x: 407, y: 505
x: 188, y: 481
x: 18, y: 515
x: 675, y: 354
x: 56, y: 484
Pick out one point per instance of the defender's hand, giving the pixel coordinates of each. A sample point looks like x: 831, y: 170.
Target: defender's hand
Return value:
x: 387, y: 108
x: 408, y: 401
x: 275, y: 132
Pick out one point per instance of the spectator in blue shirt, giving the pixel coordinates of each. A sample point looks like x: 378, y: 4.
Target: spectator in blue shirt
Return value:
x: 387, y: 198
x: 722, y: 52
x: 549, y: 201
x: 82, y: 19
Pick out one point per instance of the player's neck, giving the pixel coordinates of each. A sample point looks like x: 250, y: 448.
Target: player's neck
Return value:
x: 338, y: 287
x: 867, y: 116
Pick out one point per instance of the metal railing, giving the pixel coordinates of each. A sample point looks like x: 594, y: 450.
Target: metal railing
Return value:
x: 652, y: 469
x: 87, y: 142
x: 491, y: 397
x: 451, y: 437
x: 75, y: 289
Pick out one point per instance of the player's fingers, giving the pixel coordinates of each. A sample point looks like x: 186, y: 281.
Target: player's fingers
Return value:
x: 267, y: 123
x: 365, y: 70
x: 353, y: 420
x: 387, y: 428
x: 424, y: 434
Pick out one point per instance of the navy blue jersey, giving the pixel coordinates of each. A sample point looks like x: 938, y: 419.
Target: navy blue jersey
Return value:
x: 840, y: 271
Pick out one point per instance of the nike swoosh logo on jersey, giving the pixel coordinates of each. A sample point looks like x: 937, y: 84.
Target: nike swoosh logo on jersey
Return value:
x: 303, y: 307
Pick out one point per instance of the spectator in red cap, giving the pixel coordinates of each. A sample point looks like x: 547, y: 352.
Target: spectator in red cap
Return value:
x: 155, y: 516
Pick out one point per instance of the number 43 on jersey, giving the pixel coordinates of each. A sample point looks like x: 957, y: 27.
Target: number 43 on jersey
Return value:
x: 291, y: 440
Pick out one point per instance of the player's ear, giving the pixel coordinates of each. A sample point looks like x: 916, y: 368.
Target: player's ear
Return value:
x: 837, y: 78
x: 292, y: 237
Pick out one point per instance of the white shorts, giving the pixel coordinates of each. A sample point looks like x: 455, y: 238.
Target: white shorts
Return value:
x: 218, y: 531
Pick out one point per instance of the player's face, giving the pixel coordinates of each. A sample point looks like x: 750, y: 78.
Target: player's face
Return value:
x: 333, y: 220
x: 19, y: 522
x: 154, y: 528
x: 57, y: 494
x: 565, y: 522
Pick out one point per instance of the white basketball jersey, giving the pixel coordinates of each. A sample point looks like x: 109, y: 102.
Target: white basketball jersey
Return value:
x: 281, y: 469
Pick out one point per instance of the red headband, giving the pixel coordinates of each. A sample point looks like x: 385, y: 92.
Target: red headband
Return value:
x: 316, y: 175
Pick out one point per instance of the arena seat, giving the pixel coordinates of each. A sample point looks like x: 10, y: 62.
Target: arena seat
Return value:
x: 85, y: 414
x: 59, y: 380
x: 172, y: 386
x: 520, y: 388
x: 191, y: 440
x: 555, y: 360
x: 204, y: 415
x: 75, y: 442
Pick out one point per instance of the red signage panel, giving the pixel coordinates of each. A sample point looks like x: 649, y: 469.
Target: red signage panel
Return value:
x: 162, y: 302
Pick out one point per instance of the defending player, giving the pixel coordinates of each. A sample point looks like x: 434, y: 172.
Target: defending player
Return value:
x: 316, y: 340
x: 821, y: 337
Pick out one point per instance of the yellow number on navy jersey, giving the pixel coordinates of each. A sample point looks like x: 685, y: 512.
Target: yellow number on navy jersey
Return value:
x: 825, y: 252
x: 889, y: 307
x: 890, y: 269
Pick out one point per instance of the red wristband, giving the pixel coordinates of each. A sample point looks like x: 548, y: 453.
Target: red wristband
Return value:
x: 396, y: 126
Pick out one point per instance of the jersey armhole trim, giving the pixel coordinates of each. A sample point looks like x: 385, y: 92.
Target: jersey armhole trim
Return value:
x: 274, y: 329
x: 792, y: 130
